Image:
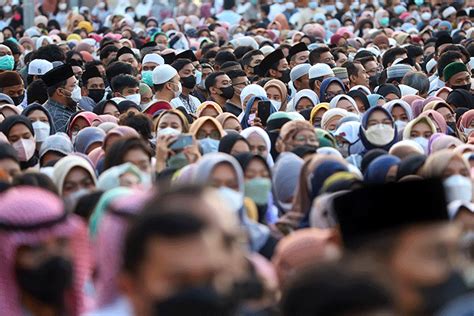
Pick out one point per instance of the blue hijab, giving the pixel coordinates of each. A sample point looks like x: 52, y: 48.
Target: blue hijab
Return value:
x: 363, y: 127
x: 248, y: 107
x: 374, y: 98
x: 325, y: 84
x: 377, y: 171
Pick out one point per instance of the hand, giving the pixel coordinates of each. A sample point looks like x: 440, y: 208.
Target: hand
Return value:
x: 162, y: 147
x: 192, y: 152
x: 257, y: 122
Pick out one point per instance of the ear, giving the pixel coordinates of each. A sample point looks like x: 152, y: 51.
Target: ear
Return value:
x: 213, y: 90
x: 273, y: 72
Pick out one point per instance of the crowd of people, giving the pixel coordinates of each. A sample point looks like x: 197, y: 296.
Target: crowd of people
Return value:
x: 250, y: 158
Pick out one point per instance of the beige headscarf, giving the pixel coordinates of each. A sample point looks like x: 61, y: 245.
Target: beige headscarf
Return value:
x: 438, y: 161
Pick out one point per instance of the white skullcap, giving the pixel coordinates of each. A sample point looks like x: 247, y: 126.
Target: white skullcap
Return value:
x: 252, y: 89
x: 320, y: 70
x: 361, y: 87
x: 39, y: 67
x: 299, y: 71
x: 448, y: 11
x: 431, y: 64
x: 153, y: 58
x: 407, y: 90
x: 163, y: 73
x: 267, y: 50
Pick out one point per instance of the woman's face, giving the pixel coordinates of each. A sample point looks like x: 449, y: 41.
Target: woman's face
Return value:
x: 209, y: 111
x: 446, y: 113
x: 77, y: 179
x: 332, y: 123
x: 273, y: 94
x: 256, y: 169
x: 38, y: 116
x: 333, y: 90
x: 379, y: 117
x: 346, y: 105
x: 257, y: 145
x: 111, y: 110
x: 390, y: 97
x: 305, y: 137
x: 17, y: 132
x: 232, y: 124
x: 456, y: 167
x: 208, y: 129
x: 399, y: 114
x: 139, y: 158
x: 239, y: 147
x: 224, y: 175
x: 79, y: 124
x: 318, y: 116
x: 172, y: 121
x: 421, y: 129
x: 303, y: 104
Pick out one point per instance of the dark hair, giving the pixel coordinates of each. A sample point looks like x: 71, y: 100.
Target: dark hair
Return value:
x: 86, y: 204
x: 414, y: 51
x: 50, y: 53
x: 445, y: 59
x: 247, y: 58
x: 179, y: 64
x: 93, y: 63
x: 352, y: 69
x: 241, y: 51
x: 315, y: 55
x: 363, y: 61
x: 236, y: 73
x: 150, y: 224
x: 210, y: 55
x: 116, y: 153
x: 212, y: 79
x: 121, y: 82
x: 69, y: 58
x: 35, y: 179
x: 139, y: 122
x: 338, y: 50
x: 224, y: 56
x: 206, y: 48
x: 52, y: 89
x: 8, y: 152
x: 418, y: 80
x: 106, y: 51
x: 265, y: 8
x: 390, y: 55
x: 229, y: 4
x: 37, y: 92
x: 116, y: 68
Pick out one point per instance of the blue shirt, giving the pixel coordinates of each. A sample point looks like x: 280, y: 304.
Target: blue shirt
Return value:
x: 60, y: 115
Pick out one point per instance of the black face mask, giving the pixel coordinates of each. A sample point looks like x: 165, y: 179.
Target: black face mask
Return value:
x: 196, y: 301
x: 374, y: 80
x: 452, y: 126
x: 227, y: 92
x: 47, y: 282
x: 285, y: 76
x: 464, y: 86
x: 17, y: 100
x: 96, y: 94
x: 188, y: 82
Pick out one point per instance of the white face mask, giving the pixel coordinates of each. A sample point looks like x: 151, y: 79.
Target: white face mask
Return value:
x: 7, y: 9
x: 25, y: 148
x: 42, y: 130
x: 380, y: 134
x: 468, y: 131
x: 458, y: 188
x: 73, y: 137
x: 234, y: 199
x: 76, y: 94
x: 167, y: 131
x: 350, y: 28
x: 198, y: 77
x: 276, y: 104
x: 135, y: 98
x: 400, y: 125
x: 426, y: 16
x: 423, y: 142
x: 62, y: 6
x: 180, y: 90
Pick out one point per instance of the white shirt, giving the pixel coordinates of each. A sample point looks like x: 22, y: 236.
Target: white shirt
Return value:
x: 191, y: 108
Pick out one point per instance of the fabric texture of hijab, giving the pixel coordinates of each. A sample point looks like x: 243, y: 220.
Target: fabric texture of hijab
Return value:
x: 465, y: 120
x: 387, y: 89
x: 228, y: 141
x: 90, y: 118
x: 411, y: 124
x: 437, y: 162
x: 260, y: 132
x: 326, y: 83
x: 437, y: 118
x: 408, y: 110
x: 244, y: 121
x: 445, y: 142
x: 377, y: 170
x: 179, y: 114
x: 285, y: 177
x: 364, y: 125
x: 65, y: 165
x: 258, y: 233
x: 99, y: 108
x: 362, y: 96
x: 206, y: 105
x: 110, y: 178
x: 336, y: 99
x: 315, y: 110
x: 460, y: 98
x: 8, y: 124
x: 87, y: 137
x: 39, y: 107
x: 330, y: 114
x: 374, y: 99
x: 197, y: 124
x: 252, y: 90
x: 305, y: 93
x: 278, y: 84
x: 410, y: 166
x: 224, y: 117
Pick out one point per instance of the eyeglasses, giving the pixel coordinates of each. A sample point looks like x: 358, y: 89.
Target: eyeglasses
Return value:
x: 214, y: 135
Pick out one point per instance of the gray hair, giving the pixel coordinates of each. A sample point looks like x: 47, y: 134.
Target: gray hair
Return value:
x: 417, y: 80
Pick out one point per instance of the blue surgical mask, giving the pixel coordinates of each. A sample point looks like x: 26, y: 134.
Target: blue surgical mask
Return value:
x: 198, y: 75
x: 209, y: 145
x: 313, y: 5
x: 384, y: 21
x: 7, y: 62
x: 330, y: 8
x: 419, y: 2
x: 147, y: 77
x: 258, y: 189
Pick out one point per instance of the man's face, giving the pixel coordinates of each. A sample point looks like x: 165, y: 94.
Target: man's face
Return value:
x: 302, y: 82
x: 371, y: 68
x: 341, y: 60
x: 256, y: 60
x: 95, y: 83
x: 328, y: 58
x: 14, y: 91
x: 459, y: 79
x: 221, y: 82
x: 300, y: 58
x: 130, y: 91
x: 11, y: 167
x: 149, y: 66
x: 240, y: 83
x: 129, y: 59
x: 362, y: 77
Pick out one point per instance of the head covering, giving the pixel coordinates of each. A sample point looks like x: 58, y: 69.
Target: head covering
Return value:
x: 390, y: 105
x: 59, y: 143
x: 244, y: 122
x: 410, y: 165
x: 445, y: 142
x: 374, y: 99
x: 13, y: 120
x: 364, y: 126
x: 337, y: 98
x: 398, y: 71
x: 411, y: 124
x: 17, y: 220
x: 299, y: 71
x: 460, y: 98
x: 349, y: 131
x: 326, y: 83
x: 87, y: 137
x: 153, y: 58
x: 38, y: 107
x: 330, y: 114
x: 377, y: 170
x: 38, y: 67
x: 320, y: 70
x: 305, y: 93
x: 10, y: 78
x: 252, y: 90
x: 260, y: 132
x: 271, y: 59
x: 452, y: 69
x: 89, y: 117
x: 65, y: 165
x: 285, y: 178
x: 197, y: 124
x: 387, y: 89
x: 316, y: 109
x: 57, y: 74
x: 278, y: 84
x: 207, y: 104
x: 437, y: 118
x: 437, y: 162
x: 228, y: 141
x: 295, y: 49
x: 163, y: 73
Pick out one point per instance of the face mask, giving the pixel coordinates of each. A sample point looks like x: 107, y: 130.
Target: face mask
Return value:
x: 7, y: 62
x: 276, y: 104
x: 426, y: 16
x: 96, y: 94
x: 344, y: 149
x: 167, y: 131
x: 400, y: 124
x: 330, y: 8
x: 73, y: 137
x: 419, y: 2
x: 198, y: 75
x: 178, y: 92
x: 374, y: 80
x: 62, y: 6
x: 209, y: 145
x: 468, y: 131
x: 131, y: 14
x: 251, y: 118
x: 384, y: 21
x: 465, y: 87
x: 285, y: 76
x: 147, y: 180
x: 458, y: 188
x: 189, y: 82
x: 399, y: 9
x: 234, y: 200
x: 203, y: 300
x: 350, y: 28
x: 135, y: 98
x: 47, y: 282
x: 313, y: 5
x: 258, y: 189
x: 380, y: 134
x: 42, y: 130
x: 76, y: 94
x: 17, y: 100
x: 437, y: 296
x: 25, y: 148
x: 70, y: 202
x: 227, y: 92
x: 177, y: 161
x: 147, y: 77
x: 423, y: 142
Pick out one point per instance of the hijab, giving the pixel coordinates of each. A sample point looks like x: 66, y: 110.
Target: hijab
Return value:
x: 390, y: 105
x: 315, y: 110
x: 197, y: 124
x: 39, y: 107
x: 362, y: 96
x: 326, y: 83
x: 378, y: 169
x: 305, y: 93
x: 437, y: 118
x: 260, y: 132
x: 228, y: 141
x: 437, y: 162
x: 364, y: 126
x: 285, y: 177
x: 65, y: 165
x: 245, y: 118
x: 206, y: 105
x: 374, y: 99
x: 411, y: 124
x: 336, y: 99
